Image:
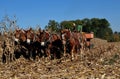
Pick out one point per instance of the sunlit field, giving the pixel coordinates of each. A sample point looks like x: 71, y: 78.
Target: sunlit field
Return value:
x: 100, y: 62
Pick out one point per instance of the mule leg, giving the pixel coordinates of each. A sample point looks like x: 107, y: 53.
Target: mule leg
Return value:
x: 48, y: 54
x: 76, y: 53
x: 72, y: 53
x: 81, y: 54
x: 64, y: 50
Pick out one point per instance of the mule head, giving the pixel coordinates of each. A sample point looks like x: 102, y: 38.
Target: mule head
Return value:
x: 17, y: 35
x: 23, y: 36
x: 44, y: 37
x: 30, y: 35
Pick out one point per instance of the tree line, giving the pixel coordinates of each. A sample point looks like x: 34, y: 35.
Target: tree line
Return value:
x: 100, y: 27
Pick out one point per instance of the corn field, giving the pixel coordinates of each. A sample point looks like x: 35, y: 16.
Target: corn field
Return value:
x: 102, y: 61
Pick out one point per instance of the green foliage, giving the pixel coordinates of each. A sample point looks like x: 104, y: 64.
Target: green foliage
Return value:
x: 100, y: 27
x: 66, y: 24
x: 53, y: 26
x: 70, y: 24
x: 87, y: 27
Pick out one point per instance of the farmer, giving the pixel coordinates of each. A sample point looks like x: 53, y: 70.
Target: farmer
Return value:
x: 79, y: 28
x: 74, y: 27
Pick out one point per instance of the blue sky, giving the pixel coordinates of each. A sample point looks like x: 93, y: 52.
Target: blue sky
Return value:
x: 39, y: 12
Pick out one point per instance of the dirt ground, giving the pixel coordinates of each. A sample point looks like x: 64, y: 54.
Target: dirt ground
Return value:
x: 100, y: 62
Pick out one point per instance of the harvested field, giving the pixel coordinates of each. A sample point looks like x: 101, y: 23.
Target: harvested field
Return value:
x: 100, y: 62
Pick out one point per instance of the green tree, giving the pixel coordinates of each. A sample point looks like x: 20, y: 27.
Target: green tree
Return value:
x: 95, y: 26
x: 67, y: 25
x: 53, y: 26
x: 101, y: 28
x: 86, y: 25
x: 108, y: 34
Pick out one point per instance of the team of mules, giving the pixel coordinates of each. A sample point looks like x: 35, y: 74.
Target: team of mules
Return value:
x: 31, y: 44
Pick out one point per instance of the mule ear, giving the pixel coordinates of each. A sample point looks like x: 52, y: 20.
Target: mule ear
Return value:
x: 24, y: 31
